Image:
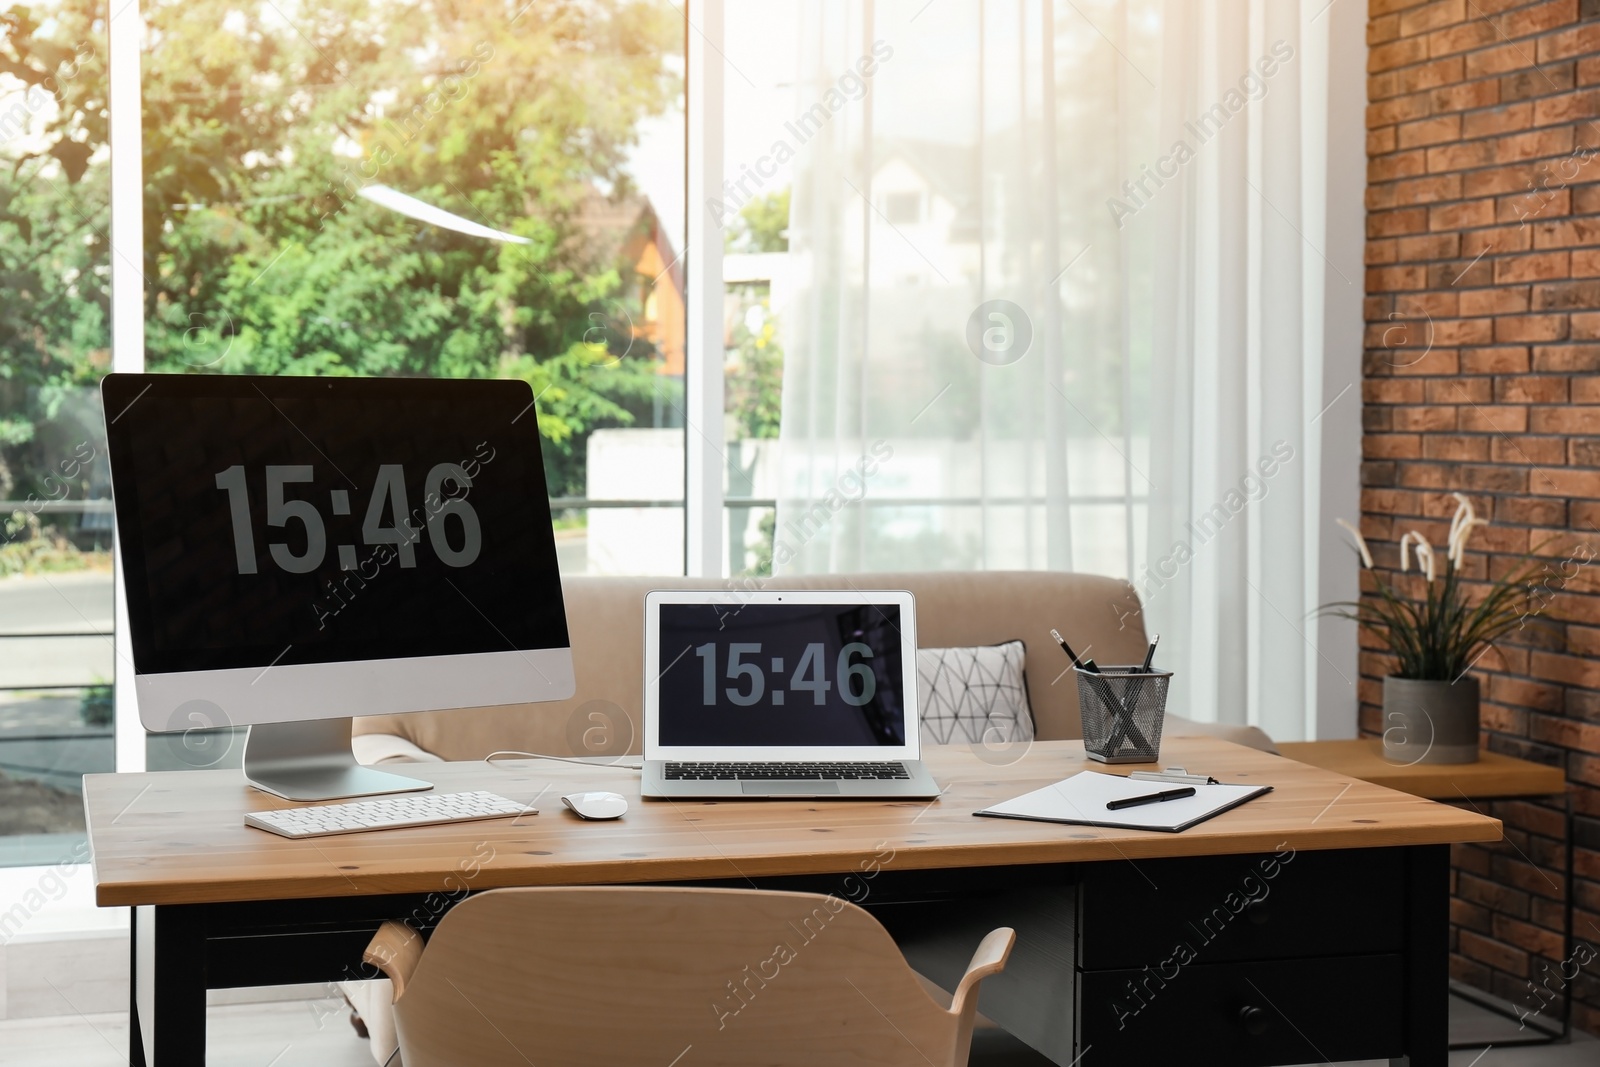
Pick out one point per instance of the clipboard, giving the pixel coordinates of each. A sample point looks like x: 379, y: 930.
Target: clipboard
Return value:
x: 1081, y: 800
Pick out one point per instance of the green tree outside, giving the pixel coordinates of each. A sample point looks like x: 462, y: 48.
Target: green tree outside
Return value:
x: 260, y: 254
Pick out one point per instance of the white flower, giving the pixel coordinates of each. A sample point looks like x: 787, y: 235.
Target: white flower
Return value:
x: 1361, y: 543
x: 1424, y: 553
x: 1405, y: 550
x: 1425, y: 557
x: 1464, y: 516
x: 1458, y: 540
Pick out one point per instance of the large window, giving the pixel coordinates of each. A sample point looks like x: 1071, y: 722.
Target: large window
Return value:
x: 56, y: 661
x: 396, y: 187
x: 361, y: 187
x: 890, y: 172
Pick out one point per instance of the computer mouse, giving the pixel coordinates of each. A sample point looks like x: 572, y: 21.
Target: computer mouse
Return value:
x: 596, y: 805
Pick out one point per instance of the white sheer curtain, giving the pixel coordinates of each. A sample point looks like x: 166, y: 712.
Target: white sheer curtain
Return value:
x: 1128, y: 175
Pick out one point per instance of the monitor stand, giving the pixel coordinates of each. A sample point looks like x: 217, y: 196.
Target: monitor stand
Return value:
x: 312, y: 760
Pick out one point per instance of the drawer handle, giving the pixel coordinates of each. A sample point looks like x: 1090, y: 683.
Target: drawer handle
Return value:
x: 1258, y: 913
x: 1255, y: 1020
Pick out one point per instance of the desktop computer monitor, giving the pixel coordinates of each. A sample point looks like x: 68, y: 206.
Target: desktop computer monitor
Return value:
x: 296, y: 551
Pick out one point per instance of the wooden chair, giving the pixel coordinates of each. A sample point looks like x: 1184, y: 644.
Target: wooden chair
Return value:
x: 652, y: 977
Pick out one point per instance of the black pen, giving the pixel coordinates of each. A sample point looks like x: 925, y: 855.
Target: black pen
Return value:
x: 1150, y: 654
x: 1121, y: 720
x: 1133, y: 692
x: 1081, y: 664
x: 1150, y: 798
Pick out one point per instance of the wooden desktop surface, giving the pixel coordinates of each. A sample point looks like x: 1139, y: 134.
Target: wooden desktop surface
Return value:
x: 179, y: 837
x: 1493, y: 775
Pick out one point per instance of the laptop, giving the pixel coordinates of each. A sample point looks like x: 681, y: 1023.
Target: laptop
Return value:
x: 782, y: 694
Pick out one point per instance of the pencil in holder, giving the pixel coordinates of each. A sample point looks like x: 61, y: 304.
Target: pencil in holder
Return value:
x: 1123, y: 709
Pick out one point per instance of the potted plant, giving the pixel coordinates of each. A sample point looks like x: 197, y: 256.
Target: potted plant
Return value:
x: 1430, y: 704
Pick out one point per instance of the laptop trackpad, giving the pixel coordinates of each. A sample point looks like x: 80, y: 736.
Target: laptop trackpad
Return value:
x: 779, y: 788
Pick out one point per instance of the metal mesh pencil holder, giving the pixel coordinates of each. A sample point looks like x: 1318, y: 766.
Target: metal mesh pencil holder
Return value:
x: 1123, y: 709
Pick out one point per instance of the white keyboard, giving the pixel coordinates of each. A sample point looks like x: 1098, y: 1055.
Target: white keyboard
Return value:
x: 385, y: 813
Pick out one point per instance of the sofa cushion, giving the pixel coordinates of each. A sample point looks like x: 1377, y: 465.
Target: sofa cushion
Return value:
x: 974, y: 695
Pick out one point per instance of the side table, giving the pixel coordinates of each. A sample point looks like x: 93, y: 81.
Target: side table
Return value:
x: 1492, y: 777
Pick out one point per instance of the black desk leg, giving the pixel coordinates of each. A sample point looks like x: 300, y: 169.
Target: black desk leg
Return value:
x: 1427, y: 1003
x: 168, y: 1009
x: 135, y: 1038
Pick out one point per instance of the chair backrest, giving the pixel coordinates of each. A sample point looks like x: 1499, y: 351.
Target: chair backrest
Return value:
x: 1100, y: 616
x: 564, y: 977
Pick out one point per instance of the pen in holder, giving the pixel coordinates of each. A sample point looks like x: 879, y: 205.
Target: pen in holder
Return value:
x: 1123, y: 709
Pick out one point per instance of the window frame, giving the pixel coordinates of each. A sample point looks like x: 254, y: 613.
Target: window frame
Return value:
x: 704, y: 443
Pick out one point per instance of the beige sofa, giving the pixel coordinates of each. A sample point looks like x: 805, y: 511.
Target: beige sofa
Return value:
x: 605, y: 617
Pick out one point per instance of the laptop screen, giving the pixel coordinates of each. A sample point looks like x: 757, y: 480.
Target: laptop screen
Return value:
x: 781, y: 675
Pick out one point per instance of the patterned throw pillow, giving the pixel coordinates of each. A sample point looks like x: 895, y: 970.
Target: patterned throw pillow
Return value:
x: 974, y: 695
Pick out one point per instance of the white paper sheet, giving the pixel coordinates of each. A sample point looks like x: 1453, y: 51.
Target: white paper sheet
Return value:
x: 1082, y: 799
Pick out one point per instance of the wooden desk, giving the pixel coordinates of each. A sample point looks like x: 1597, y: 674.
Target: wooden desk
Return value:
x: 1360, y: 900
x: 1492, y: 776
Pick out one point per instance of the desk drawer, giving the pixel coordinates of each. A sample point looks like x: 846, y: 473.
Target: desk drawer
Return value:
x: 1245, y: 1014
x: 1262, y: 907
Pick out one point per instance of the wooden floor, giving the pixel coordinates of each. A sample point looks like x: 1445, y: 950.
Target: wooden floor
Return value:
x: 290, y: 1035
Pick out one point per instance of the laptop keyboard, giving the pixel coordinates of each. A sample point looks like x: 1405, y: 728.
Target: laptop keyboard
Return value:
x: 736, y: 772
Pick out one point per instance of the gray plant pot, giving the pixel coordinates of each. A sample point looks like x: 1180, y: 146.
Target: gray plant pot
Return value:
x: 1430, y: 722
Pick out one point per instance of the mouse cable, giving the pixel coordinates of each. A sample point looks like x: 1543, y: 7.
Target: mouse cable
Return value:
x: 513, y: 754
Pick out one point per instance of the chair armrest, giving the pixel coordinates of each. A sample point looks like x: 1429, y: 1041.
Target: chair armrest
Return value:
x: 989, y: 959
x: 395, y: 949
x: 389, y: 748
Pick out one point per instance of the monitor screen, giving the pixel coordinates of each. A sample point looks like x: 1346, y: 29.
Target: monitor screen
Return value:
x: 268, y: 520
x: 775, y: 675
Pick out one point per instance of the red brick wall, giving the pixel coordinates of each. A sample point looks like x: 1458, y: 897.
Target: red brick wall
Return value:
x: 1482, y: 374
